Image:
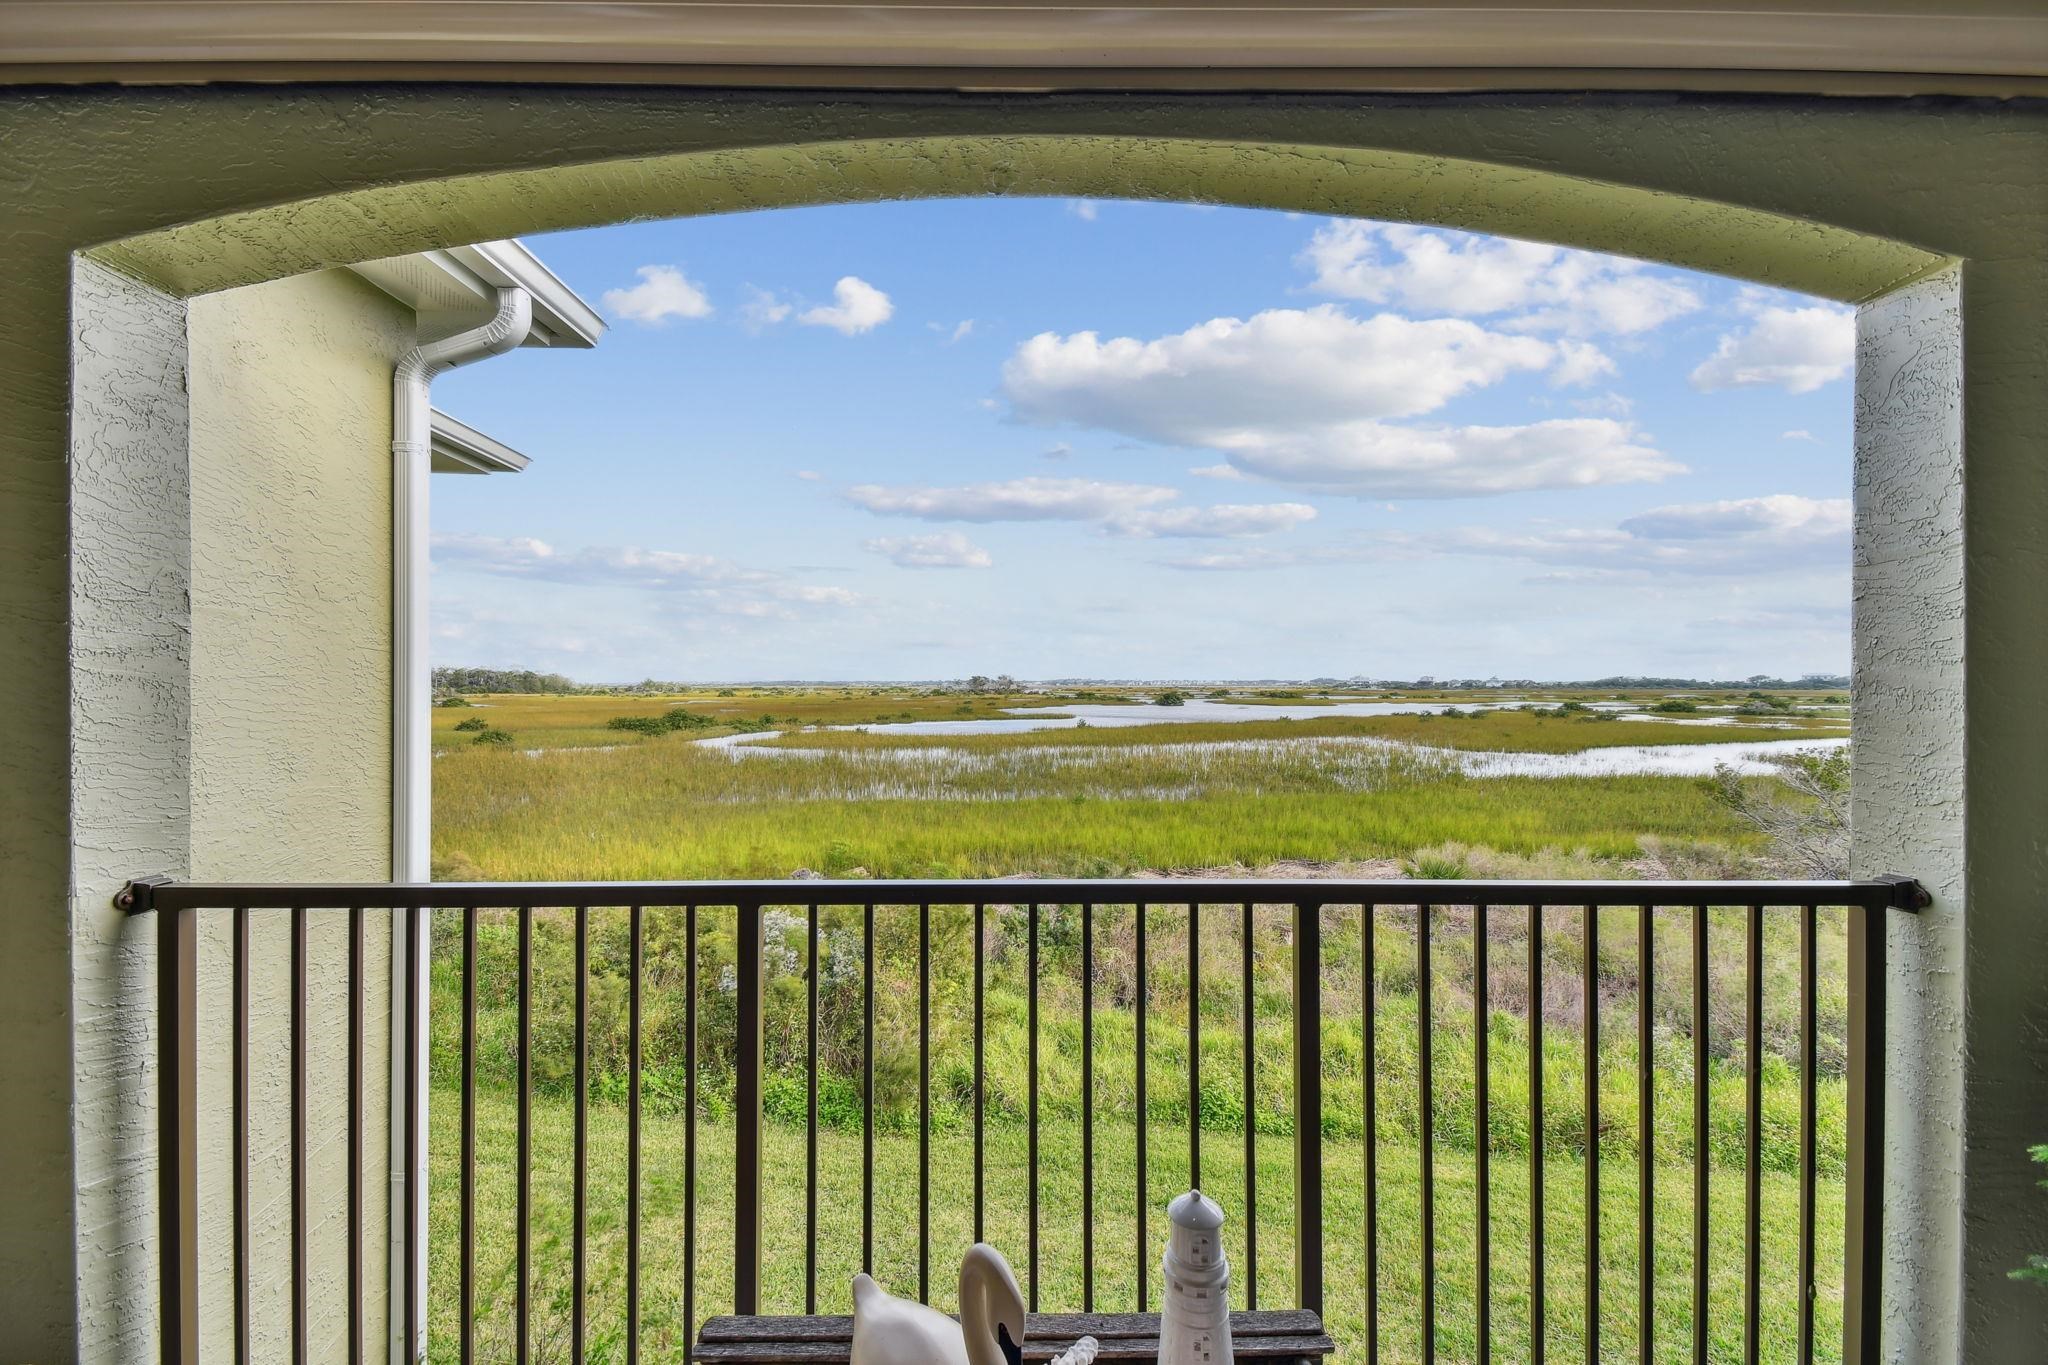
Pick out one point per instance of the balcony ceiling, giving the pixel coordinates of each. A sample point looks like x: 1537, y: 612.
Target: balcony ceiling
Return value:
x: 1991, y: 47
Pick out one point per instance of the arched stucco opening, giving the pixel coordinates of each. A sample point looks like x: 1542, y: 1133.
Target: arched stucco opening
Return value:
x: 1359, y: 182
x: 1573, y: 176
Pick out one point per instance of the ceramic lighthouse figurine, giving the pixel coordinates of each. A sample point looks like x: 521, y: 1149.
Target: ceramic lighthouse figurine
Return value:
x: 1195, y: 1318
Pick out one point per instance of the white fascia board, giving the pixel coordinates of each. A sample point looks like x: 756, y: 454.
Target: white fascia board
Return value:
x: 459, y: 448
x: 560, y: 316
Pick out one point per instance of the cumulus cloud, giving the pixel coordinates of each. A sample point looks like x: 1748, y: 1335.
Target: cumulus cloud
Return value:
x: 707, y: 581
x: 1285, y: 366
x: 664, y: 292
x: 858, y: 307
x: 1130, y: 509
x: 1084, y: 209
x: 1794, y: 349
x: 1531, y: 286
x: 1303, y: 397
x: 945, y: 550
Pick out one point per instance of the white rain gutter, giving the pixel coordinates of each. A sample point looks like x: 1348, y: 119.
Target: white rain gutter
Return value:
x: 411, y: 768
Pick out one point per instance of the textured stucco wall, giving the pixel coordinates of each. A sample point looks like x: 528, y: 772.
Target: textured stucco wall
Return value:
x: 130, y: 659
x: 1909, y: 804
x: 290, y: 750
x: 1848, y: 198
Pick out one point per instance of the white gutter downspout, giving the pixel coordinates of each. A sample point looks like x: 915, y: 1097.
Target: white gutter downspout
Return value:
x: 411, y: 777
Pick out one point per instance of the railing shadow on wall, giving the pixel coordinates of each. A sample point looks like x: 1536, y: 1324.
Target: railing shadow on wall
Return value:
x: 1301, y: 914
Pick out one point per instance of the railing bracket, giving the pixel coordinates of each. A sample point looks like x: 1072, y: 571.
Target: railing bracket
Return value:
x: 139, y: 896
x: 1907, y: 894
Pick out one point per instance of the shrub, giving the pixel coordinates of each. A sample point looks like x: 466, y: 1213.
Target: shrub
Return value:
x: 498, y: 738
x: 453, y: 702
x: 1170, y: 698
x: 474, y: 723
x: 1676, y: 706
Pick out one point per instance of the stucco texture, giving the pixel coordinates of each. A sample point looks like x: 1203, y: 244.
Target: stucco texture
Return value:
x: 1852, y: 199
x: 290, y: 400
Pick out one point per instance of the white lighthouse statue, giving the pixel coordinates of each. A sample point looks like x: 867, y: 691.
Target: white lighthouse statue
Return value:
x: 1194, y: 1324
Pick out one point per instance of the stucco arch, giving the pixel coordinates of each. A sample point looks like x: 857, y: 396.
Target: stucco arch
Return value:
x: 1933, y: 218
x: 1366, y: 182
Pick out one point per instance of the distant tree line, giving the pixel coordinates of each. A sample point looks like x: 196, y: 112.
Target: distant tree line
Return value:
x: 453, y: 680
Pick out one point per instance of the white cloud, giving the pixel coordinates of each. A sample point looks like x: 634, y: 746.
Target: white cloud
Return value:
x: 1795, y: 349
x: 810, y: 475
x: 1227, y: 520
x: 944, y: 550
x: 1058, y: 450
x: 1797, y: 434
x: 1299, y: 397
x: 664, y: 292
x: 1084, y: 209
x: 1130, y: 509
x: 860, y: 307
x: 708, y: 582
x: 1532, y: 286
x: 1579, y: 363
x: 1737, y: 536
x: 962, y: 330
x: 763, y: 310
x: 1283, y: 366
x: 1218, y: 471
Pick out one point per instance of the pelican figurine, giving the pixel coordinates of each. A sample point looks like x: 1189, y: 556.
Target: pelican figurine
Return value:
x: 892, y: 1331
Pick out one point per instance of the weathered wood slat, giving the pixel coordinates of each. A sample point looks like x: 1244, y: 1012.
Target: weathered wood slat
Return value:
x: 1102, y: 1326
x: 1119, y: 1348
x: 1293, y: 1334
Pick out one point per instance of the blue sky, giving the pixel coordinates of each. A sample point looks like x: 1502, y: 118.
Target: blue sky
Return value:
x: 1060, y: 439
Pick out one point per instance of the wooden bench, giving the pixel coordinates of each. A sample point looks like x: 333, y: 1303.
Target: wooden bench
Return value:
x: 1289, y: 1337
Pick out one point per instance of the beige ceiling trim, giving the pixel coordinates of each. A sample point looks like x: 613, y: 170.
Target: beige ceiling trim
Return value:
x: 1835, y: 46
x: 1034, y: 80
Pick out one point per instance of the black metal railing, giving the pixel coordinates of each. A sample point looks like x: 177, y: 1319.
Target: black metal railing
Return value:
x: 1305, y: 908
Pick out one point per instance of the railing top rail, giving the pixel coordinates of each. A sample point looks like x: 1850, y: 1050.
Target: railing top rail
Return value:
x: 146, y: 894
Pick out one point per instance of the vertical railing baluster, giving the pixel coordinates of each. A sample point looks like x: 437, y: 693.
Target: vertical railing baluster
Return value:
x: 1144, y: 1117
x: 747, y: 1117
x: 1482, y: 1138
x: 1087, y: 1108
x: 301, y: 1164
x: 635, y: 955
x: 1863, y: 1224
x: 1251, y: 1119
x: 867, y: 1090
x: 1537, y: 1316
x: 177, y: 1060
x: 1308, y: 1106
x: 466, y: 1308
x: 580, y: 1156
x: 924, y: 1103
x: 1425, y: 1054
x: 690, y: 1018
x: 524, y: 1142
x: 1646, y: 1135
x: 1590, y: 990
x: 811, y: 1118
x: 1369, y: 917
x: 244, y: 1342
x: 1808, y: 1094
x: 356, y: 981
x: 419, y: 942
x: 1194, y: 1046
x: 1753, y: 1140
x: 1031, y: 1097
x: 1702, y: 1140
x: 980, y: 1071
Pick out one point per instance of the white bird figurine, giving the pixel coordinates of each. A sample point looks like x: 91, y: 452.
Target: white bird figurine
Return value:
x: 892, y: 1331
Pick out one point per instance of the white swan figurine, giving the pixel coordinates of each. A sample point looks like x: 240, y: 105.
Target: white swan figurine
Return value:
x: 892, y: 1331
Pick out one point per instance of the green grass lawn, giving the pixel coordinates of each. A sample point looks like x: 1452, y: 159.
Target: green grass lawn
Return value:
x: 1116, y: 1253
